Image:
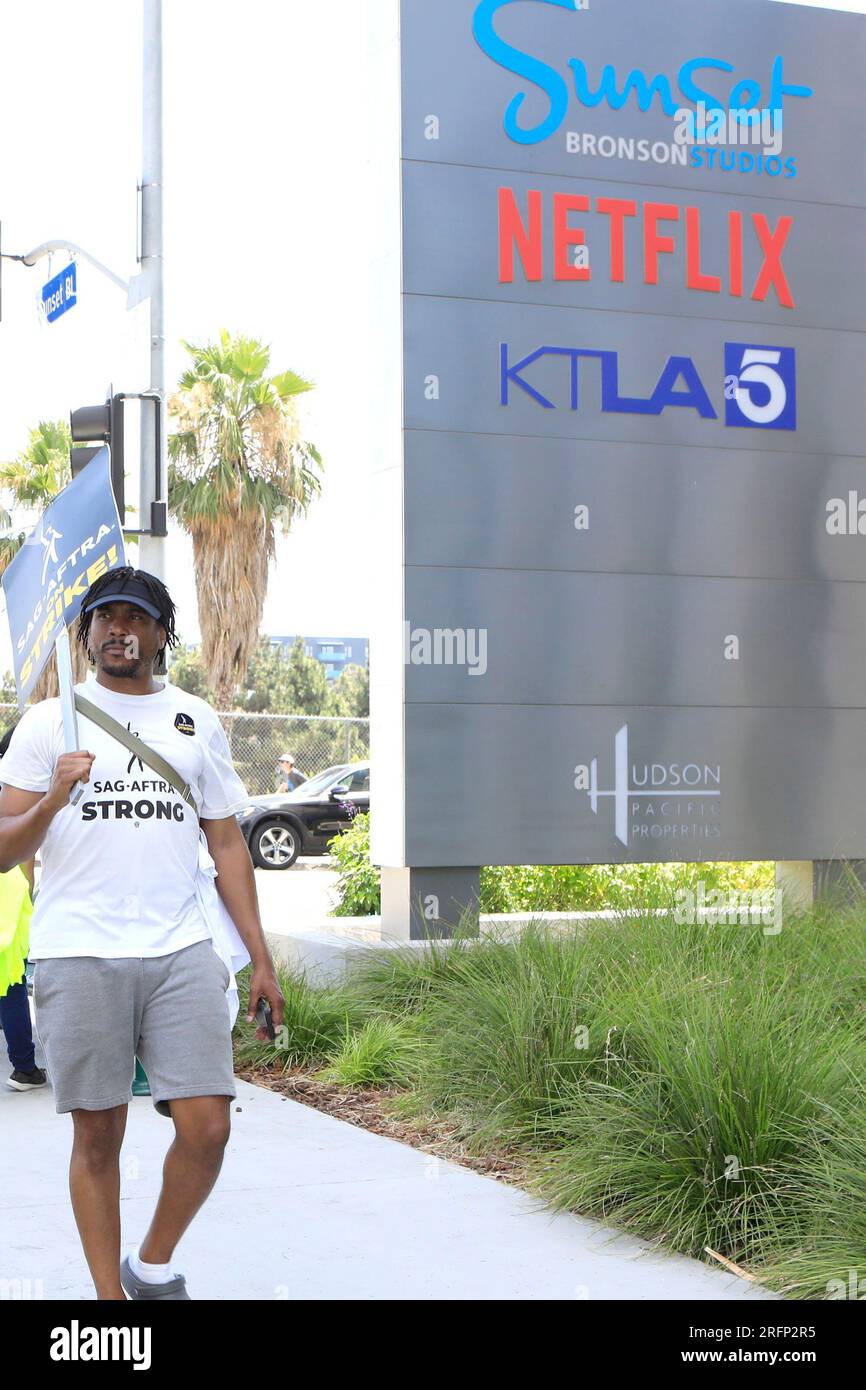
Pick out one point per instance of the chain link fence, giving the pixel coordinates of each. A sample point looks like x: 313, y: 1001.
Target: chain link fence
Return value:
x: 314, y: 741
x: 257, y: 740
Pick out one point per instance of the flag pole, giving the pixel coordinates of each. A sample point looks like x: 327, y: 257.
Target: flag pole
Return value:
x: 67, y: 702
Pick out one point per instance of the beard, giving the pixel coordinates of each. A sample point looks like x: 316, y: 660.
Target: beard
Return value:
x: 117, y: 663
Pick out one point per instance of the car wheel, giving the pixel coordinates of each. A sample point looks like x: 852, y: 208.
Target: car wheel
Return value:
x: 274, y: 845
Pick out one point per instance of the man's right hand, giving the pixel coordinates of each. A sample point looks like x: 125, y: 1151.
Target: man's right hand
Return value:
x: 70, y: 768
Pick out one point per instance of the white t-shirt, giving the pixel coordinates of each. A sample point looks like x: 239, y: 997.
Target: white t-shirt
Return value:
x: 119, y: 867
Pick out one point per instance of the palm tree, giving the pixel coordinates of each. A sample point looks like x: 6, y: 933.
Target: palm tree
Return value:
x: 239, y: 469
x: 34, y: 478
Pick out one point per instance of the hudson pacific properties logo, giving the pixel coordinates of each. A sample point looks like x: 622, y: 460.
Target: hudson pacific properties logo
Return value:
x: 655, y: 800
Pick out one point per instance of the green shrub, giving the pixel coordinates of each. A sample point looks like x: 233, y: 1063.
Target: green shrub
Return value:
x: 595, y: 887
x: 358, y: 881
x: 698, y: 1085
x: 382, y: 1053
x: 398, y: 982
x: 543, y: 888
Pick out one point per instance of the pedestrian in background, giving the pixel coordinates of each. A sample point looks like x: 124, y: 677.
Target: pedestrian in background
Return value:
x: 289, y: 774
x: 16, y: 889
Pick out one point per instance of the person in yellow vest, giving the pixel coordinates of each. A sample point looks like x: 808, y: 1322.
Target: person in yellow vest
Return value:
x: 16, y: 907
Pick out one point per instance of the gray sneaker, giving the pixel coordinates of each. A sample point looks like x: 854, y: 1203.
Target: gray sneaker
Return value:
x: 135, y: 1289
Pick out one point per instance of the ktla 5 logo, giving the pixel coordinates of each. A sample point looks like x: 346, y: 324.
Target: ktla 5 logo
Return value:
x: 760, y: 384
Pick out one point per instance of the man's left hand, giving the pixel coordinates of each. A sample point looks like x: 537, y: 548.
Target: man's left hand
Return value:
x: 264, y: 985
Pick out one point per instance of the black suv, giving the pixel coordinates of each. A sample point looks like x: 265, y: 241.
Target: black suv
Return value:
x: 280, y: 827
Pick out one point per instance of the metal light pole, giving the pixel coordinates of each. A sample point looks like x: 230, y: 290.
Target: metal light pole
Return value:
x: 153, y: 470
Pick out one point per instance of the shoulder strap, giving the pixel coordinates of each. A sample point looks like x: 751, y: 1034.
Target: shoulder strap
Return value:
x: 137, y: 746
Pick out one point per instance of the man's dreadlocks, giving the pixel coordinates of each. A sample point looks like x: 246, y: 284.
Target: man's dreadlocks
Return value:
x: 116, y: 579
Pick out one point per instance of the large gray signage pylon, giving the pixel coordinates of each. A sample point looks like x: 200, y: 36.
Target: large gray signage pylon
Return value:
x: 623, y: 490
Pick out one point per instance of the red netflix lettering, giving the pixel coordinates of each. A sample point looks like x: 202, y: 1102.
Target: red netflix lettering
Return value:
x: 526, y: 234
x: 565, y: 236
x: 617, y: 209
x: 530, y: 244
x: 695, y: 278
x: 653, y: 243
x: 772, y: 245
x: 735, y: 253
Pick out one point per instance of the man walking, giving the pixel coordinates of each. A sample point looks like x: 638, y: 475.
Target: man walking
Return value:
x: 124, y: 960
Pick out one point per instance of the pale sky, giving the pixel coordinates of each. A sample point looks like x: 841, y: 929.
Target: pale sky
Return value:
x: 263, y: 133
x: 264, y: 121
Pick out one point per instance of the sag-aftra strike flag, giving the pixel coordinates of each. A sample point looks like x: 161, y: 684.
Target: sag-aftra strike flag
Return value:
x: 77, y: 539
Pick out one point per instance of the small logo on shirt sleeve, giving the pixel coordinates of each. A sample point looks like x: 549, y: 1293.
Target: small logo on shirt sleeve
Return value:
x: 185, y: 723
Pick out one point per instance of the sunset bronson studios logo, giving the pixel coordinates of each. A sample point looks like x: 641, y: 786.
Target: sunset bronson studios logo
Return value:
x: 672, y: 802
x: 704, y: 96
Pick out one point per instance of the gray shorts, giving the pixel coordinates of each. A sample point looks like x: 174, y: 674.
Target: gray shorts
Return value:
x: 95, y: 1016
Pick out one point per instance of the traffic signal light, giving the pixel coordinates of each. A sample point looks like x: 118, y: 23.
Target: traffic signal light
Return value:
x: 98, y: 426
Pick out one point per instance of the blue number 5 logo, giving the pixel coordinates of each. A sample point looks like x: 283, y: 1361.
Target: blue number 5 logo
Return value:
x: 760, y: 387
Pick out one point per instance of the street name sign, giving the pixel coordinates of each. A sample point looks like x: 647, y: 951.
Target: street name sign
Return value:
x: 61, y: 293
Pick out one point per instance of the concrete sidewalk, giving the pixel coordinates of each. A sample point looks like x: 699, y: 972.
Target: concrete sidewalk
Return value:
x: 310, y: 1207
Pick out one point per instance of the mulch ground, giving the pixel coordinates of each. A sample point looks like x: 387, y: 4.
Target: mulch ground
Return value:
x: 370, y: 1109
